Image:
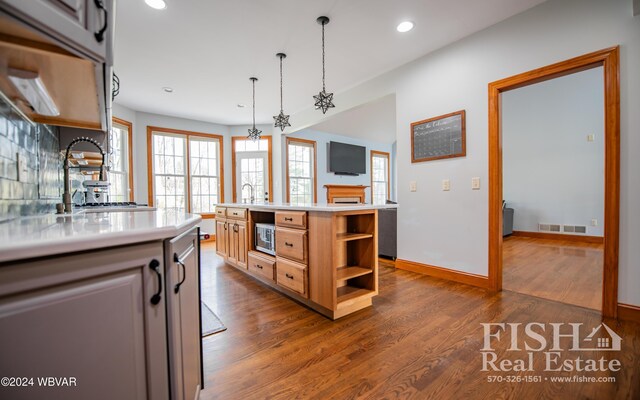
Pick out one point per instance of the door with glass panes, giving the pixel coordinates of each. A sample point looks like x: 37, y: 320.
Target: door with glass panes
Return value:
x: 251, y: 170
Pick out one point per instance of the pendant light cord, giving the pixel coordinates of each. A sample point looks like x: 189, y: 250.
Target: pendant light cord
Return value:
x: 254, y: 104
x: 323, y: 87
x: 281, y: 107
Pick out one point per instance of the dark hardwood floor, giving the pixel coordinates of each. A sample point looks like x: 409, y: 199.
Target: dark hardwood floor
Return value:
x: 421, y: 339
x: 564, y: 271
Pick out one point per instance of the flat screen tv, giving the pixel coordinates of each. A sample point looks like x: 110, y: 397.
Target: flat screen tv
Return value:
x: 347, y: 159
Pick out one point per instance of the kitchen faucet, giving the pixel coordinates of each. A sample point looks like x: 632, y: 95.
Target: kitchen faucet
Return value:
x: 66, y: 195
x: 251, y: 198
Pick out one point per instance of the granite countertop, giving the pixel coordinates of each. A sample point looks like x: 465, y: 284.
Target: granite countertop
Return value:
x: 50, y: 234
x: 309, y: 207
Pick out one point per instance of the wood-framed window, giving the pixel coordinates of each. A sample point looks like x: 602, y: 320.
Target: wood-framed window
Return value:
x: 301, y: 171
x: 380, y: 185
x: 120, y: 174
x: 251, y: 169
x: 186, y: 170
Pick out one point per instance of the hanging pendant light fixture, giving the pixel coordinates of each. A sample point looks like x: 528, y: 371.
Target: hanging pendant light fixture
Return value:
x: 323, y: 100
x: 254, y: 134
x: 281, y: 120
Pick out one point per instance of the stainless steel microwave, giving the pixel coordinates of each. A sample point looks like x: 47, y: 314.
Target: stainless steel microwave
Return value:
x: 265, y: 238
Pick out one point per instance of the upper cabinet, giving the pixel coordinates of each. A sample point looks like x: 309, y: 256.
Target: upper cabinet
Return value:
x: 67, y: 45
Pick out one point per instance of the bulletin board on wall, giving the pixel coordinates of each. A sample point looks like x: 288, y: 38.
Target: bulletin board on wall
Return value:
x: 439, y: 137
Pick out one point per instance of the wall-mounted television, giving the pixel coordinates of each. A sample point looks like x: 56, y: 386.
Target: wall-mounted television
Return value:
x: 347, y: 159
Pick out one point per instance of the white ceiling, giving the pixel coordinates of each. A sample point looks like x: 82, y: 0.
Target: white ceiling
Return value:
x: 374, y: 121
x: 206, y: 50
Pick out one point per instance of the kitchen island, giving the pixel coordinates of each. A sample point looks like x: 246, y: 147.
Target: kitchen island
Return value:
x: 324, y: 256
x: 110, y: 299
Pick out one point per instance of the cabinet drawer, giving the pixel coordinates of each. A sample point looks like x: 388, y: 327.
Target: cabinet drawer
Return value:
x: 292, y: 275
x: 237, y: 213
x: 221, y: 211
x: 261, y: 266
x: 294, y: 219
x: 292, y: 244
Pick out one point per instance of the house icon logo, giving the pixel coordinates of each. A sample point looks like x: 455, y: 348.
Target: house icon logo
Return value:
x: 602, y: 338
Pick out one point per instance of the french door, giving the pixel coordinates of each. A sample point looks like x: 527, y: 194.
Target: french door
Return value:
x: 252, y: 177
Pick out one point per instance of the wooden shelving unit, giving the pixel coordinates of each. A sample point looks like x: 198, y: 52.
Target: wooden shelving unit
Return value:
x: 355, y: 261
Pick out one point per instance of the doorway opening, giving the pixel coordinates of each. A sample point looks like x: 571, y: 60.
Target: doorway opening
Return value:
x: 251, y: 170
x: 608, y: 59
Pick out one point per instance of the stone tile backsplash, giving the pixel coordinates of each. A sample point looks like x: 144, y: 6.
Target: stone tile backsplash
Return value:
x: 30, y: 165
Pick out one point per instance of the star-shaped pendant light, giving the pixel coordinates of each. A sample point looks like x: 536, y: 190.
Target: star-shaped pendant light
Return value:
x: 281, y: 120
x: 323, y: 100
x: 254, y: 134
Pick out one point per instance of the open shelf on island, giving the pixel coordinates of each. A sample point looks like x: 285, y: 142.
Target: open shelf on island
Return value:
x: 347, y: 293
x: 345, y: 236
x: 348, y: 272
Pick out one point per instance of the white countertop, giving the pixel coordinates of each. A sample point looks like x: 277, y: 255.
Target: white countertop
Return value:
x: 49, y: 234
x: 309, y: 207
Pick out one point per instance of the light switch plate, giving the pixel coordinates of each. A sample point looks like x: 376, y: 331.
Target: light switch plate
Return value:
x: 413, y: 186
x: 591, y: 138
x: 446, y: 185
x: 594, y: 222
x: 475, y: 183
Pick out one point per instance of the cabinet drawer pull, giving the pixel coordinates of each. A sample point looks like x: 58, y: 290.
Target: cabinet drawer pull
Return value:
x: 258, y: 266
x: 288, y: 276
x: 288, y: 219
x: 155, y: 265
x: 100, y: 34
x: 288, y: 244
x: 177, y: 260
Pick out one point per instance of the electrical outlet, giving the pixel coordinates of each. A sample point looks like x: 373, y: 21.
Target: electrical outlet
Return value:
x: 413, y: 186
x: 591, y: 137
x: 475, y: 183
x: 446, y: 185
x: 594, y: 222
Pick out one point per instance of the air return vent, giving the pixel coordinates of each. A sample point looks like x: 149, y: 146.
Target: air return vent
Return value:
x: 554, y: 228
x: 543, y: 227
x: 581, y: 229
x: 549, y: 227
x: 569, y: 228
x: 574, y: 229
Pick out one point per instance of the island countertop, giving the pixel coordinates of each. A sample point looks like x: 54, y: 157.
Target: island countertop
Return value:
x: 308, y: 207
x: 49, y: 234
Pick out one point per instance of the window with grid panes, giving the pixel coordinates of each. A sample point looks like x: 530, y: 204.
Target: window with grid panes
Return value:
x: 180, y: 175
x: 118, y: 174
x: 300, y: 159
x: 379, y: 178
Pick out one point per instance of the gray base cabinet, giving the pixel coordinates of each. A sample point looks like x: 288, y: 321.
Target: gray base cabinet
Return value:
x: 120, y: 323
x: 183, y: 313
x: 88, y: 318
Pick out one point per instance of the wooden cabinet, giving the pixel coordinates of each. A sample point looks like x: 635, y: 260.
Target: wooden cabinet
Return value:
x: 291, y: 219
x: 98, y: 317
x: 222, y: 237
x: 183, y: 314
x: 292, y: 275
x: 232, y: 236
x: 262, y: 265
x: 292, y: 244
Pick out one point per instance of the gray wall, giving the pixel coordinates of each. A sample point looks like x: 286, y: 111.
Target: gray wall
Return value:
x: 551, y: 173
x: 39, y: 188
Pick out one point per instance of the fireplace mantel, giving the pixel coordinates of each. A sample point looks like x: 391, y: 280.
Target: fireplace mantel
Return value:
x: 345, y: 193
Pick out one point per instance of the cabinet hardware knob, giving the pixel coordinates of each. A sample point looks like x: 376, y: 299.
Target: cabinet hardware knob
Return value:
x: 288, y: 244
x: 288, y: 276
x: 258, y: 266
x: 177, y: 260
x: 100, y: 34
x: 155, y: 265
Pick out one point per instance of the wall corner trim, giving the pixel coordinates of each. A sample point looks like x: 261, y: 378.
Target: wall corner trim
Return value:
x: 444, y: 273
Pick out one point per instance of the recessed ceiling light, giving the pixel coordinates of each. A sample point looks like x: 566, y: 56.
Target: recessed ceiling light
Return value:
x: 157, y: 4
x: 241, y: 106
x: 405, y: 26
x: 167, y: 89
